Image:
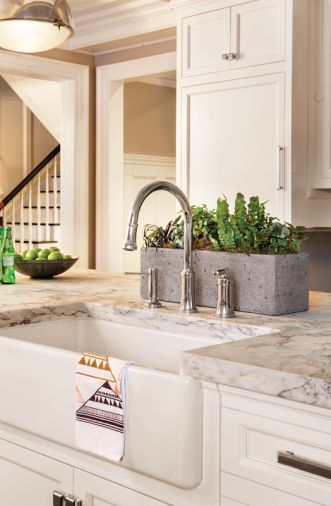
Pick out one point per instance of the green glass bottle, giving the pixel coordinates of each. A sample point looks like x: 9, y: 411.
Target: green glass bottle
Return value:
x: 2, y: 234
x: 8, y: 259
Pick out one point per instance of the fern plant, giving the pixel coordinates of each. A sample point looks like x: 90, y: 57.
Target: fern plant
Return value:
x: 248, y: 230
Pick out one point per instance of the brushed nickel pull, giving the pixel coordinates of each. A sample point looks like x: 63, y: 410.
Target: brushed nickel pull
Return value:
x: 225, y: 56
x: 280, y: 150
x: 232, y: 56
x: 58, y: 498
x: 309, y: 466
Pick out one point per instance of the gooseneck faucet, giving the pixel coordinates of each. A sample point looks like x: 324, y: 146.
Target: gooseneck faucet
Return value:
x: 187, y: 303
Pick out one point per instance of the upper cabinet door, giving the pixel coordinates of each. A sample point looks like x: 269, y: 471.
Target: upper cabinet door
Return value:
x: 258, y: 33
x: 233, y: 141
x: 206, y: 43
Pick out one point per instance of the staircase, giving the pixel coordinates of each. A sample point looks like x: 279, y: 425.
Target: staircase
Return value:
x: 33, y: 208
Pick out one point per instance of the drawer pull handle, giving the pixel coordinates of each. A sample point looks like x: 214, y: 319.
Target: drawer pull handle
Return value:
x: 309, y: 466
x: 58, y: 498
x: 280, y: 151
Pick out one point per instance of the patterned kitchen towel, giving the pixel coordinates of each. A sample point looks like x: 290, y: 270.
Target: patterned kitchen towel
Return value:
x: 100, y: 405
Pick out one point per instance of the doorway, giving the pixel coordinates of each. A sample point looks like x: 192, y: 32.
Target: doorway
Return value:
x: 120, y: 174
x: 149, y: 151
x: 74, y: 81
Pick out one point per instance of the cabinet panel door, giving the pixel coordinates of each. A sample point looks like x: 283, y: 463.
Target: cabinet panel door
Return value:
x: 205, y: 38
x: 96, y: 491
x: 29, y: 479
x: 258, y: 33
x: 231, y: 140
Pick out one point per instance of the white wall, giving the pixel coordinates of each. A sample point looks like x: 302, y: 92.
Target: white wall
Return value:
x: 16, y: 157
x: 44, y: 99
x: 149, y: 119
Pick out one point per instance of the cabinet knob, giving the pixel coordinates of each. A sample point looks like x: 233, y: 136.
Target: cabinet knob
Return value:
x: 225, y: 56
x: 232, y: 56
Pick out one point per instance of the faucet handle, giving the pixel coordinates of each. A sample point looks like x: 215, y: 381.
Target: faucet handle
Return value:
x: 222, y: 273
x: 224, y: 302
x: 153, y: 287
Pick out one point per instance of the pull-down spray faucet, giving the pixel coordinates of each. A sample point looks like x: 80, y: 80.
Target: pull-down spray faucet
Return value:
x: 187, y: 303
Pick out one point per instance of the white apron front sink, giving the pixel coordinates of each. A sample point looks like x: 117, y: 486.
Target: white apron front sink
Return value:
x: 164, y: 410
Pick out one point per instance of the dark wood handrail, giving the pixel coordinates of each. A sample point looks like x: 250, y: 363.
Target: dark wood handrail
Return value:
x: 12, y: 194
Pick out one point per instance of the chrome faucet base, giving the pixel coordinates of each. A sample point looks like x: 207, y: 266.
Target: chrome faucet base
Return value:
x: 225, y: 314
x: 153, y: 305
x: 185, y: 310
x: 187, y: 299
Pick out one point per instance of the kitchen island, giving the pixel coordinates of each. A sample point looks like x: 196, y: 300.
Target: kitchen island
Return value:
x: 266, y: 397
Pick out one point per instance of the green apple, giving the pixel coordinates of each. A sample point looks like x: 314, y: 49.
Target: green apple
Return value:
x: 32, y: 254
x: 55, y: 255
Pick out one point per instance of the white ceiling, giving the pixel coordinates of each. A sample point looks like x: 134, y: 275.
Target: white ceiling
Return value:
x: 103, y: 25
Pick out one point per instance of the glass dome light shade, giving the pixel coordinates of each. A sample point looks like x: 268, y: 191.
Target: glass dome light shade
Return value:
x: 36, y: 26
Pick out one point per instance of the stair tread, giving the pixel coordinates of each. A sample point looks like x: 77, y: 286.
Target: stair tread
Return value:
x: 34, y: 223
x: 42, y: 207
x: 50, y: 191
x: 35, y: 242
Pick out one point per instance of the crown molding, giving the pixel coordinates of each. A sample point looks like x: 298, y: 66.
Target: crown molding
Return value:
x: 100, y: 21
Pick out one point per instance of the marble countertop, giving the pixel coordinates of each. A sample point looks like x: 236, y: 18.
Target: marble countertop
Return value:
x: 288, y: 356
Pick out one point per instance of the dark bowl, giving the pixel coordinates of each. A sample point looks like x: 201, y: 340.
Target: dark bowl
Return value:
x: 43, y: 269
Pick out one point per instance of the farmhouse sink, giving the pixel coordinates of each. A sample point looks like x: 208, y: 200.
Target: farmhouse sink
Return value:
x: 165, y: 410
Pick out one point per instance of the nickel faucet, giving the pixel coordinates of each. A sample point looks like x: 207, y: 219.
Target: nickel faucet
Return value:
x: 187, y: 302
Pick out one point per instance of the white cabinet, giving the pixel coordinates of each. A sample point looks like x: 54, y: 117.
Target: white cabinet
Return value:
x: 205, y: 39
x: 257, y: 436
x: 29, y: 479
x: 258, y: 33
x: 233, y: 37
x: 95, y: 491
x: 320, y: 95
x: 258, y: 122
x: 232, y: 138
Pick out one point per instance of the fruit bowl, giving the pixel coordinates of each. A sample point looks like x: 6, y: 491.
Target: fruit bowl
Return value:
x: 43, y: 269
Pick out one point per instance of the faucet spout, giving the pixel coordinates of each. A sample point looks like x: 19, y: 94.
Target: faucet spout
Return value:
x: 188, y: 289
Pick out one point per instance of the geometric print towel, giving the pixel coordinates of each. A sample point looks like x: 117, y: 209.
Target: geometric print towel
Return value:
x: 100, y: 405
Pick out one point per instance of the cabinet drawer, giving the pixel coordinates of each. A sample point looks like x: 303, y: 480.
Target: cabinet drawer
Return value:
x: 249, y: 493
x: 205, y: 38
x: 251, y: 446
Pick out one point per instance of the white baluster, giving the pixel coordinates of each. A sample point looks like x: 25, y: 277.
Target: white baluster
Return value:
x: 30, y: 226
x: 48, y: 234
x: 13, y: 224
x: 55, y: 187
x: 39, y: 228
x: 22, y: 220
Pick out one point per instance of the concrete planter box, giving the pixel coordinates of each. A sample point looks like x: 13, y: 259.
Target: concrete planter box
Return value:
x: 264, y: 284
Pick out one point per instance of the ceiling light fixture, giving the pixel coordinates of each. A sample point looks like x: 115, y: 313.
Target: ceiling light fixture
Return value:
x: 31, y: 27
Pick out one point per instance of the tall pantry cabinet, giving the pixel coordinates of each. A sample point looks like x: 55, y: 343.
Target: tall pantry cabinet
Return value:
x: 252, y: 87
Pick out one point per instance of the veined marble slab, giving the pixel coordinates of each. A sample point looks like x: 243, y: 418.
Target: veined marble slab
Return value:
x: 288, y: 356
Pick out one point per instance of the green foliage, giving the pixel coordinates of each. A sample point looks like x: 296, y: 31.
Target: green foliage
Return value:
x: 204, y: 229
x: 248, y: 230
